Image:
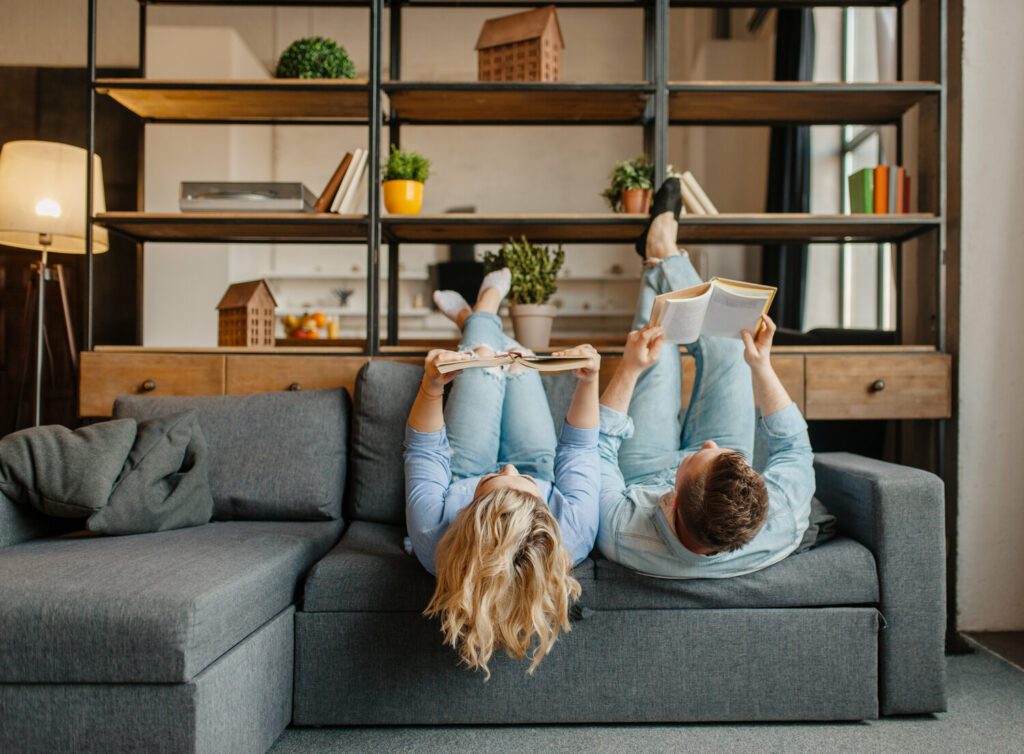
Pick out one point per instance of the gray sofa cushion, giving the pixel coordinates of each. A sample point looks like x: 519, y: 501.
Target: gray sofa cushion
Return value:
x: 839, y: 572
x: 147, y: 608
x: 384, y: 394
x: 273, y: 456
x: 368, y: 570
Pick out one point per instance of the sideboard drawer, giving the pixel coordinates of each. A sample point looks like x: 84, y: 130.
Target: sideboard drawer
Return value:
x: 878, y: 386
x: 108, y: 375
x: 266, y: 374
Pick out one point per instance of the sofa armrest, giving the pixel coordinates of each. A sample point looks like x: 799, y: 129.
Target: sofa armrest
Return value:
x: 898, y: 513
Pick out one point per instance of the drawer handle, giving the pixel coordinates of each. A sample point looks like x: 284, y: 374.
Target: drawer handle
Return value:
x: 148, y: 386
x: 295, y: 386
x: 877, y: 386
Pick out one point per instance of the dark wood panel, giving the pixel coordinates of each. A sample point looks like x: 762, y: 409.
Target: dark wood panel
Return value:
x: 517, y: 103
x: 236, y: 226
x: 794, y: 102
x: 274, y: 99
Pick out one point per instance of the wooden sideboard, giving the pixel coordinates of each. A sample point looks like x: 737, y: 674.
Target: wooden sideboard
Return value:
x: 839, y: 383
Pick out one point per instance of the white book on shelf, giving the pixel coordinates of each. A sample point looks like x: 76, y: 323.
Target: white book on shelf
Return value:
x: 348, y: 204
x: 699, y: 193
x: 690, y: 202
x: 347, y: 180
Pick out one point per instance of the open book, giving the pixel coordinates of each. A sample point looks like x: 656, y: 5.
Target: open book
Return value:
x: 540, y: 363
x: 719, y: 307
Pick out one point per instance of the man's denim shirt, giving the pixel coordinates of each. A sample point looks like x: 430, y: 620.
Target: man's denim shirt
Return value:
x: 433, y: 498
x: 635, y: 533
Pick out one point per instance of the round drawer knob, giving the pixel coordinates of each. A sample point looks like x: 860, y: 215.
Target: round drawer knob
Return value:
x: 295, y: 386
x: 877, y: 386
x: 148, y: 386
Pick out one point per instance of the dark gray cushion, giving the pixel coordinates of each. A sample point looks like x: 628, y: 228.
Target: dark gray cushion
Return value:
x: 147, y: 608
x: 385, y: 391
x: 821, y: 527
x: 368, y: 570
x: 165, y: 480
x: 840, y: 572
x: 273, y: 456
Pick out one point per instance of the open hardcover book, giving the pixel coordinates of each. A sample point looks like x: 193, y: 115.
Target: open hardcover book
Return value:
x: 719, y: 307
x: 540, y: 363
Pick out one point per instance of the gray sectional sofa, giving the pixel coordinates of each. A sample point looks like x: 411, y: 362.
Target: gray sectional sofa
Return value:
x: 295, y: 608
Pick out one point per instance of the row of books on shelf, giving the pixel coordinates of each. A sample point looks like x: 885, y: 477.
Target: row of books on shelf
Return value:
x: 345, y: 192
x: 881, y: 190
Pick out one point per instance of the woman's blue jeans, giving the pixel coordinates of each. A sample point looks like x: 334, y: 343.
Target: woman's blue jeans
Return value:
x: 721, y: 406
x: 494, y: 418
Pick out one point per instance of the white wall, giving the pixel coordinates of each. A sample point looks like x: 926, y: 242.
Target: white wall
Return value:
x: 991, y: 523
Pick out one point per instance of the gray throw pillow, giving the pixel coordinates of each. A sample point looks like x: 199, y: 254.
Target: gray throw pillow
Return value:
x: 385, y: 391
x: 164, y: 483
x: 273, y: 456
x: 821, y: 527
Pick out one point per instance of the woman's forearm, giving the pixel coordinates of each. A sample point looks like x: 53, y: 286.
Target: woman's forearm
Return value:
x: 584, y: 412
x: 426, y: 414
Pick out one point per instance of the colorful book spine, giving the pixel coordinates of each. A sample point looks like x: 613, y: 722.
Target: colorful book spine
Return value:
x: 906, y: 191
x: 881, y: 203
x: 862, y: 191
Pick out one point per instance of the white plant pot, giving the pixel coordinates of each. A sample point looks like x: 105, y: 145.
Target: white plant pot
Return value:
x: 532, y: 323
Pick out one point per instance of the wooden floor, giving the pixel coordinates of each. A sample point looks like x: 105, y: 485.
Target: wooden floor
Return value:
x: 1006, y: 644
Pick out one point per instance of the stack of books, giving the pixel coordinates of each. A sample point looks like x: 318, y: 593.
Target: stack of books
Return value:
x: 345, y: 193
x: 695, y: 199
x: 881, y: 190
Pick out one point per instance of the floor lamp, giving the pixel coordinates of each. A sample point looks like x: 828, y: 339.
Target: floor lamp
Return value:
x: 42, y: 208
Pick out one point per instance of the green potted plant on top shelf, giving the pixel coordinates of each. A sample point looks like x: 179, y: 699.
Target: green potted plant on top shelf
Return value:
x: 534, y: 269
x: 404, y: 174
x: 315, y: 58
x: 631, y: 187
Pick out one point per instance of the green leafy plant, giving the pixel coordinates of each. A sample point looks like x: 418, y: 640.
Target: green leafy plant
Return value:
x: 628, y: 174
x: 534, y: 269
x: 406, y: 166
x: 315, y: 58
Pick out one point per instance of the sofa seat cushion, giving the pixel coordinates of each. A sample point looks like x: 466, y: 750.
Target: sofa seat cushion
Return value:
x: 369, y: 571
x: 147, y: 608
x: 838, y: 572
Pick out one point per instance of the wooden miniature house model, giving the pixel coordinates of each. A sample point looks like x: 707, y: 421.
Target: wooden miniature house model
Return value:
x: 521, y: 47
x: 247, y: 315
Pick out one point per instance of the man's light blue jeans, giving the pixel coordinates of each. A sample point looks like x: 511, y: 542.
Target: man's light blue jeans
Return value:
x: 493, y: 417
x: 721, y: 406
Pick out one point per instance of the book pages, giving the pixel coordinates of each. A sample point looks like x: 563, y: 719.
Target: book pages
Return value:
x: 681, y: 315
x: 732, y: 308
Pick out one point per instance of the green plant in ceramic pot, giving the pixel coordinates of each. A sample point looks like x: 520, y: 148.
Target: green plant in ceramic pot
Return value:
x: 315, y: 58
x: 404, y: 174
x: 632, y: 182
x: 534, y: 271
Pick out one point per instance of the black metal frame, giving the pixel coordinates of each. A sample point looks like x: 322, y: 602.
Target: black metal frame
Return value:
x: 655, y: 121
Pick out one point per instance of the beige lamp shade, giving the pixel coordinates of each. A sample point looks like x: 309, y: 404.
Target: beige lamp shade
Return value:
x: 42, y: 193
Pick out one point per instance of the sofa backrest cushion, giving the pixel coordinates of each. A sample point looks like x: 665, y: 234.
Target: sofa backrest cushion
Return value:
x: 273, y: 456
x: 384, y: 394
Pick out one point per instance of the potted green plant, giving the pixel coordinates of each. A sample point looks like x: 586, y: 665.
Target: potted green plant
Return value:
x: 315, y: 58
x: 404, y: 174
x: 534, y: 269
x: 631, y: 186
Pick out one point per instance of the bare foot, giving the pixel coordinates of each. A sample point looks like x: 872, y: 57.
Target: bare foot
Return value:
x: 661, y: 239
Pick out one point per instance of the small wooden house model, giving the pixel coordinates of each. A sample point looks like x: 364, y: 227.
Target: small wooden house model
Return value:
x: 246, y: 315
x: 521, y: 47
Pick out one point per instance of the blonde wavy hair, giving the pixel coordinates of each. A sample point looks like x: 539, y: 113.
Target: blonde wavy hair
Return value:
x: 503, y: 577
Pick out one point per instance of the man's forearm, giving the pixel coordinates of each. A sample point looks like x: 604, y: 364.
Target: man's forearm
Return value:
x: 620, y: 388
x: 769, y: 391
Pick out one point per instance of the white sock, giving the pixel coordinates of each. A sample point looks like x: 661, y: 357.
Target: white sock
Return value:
x: 500, y: 279
x: 451, y: 303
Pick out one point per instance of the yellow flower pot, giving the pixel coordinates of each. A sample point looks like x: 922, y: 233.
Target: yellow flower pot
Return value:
x: 403, y: 197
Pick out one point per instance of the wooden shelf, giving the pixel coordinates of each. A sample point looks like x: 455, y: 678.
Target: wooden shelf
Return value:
x: 768, y: 103
x: 265, y: 100
x: 217, y: 227
x: 518, y: 103
x: 621, y: 228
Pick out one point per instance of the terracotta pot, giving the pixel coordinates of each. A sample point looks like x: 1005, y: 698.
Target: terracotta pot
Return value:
x: 532, y: 323
x: 403, y: 197
x: 636, y: 201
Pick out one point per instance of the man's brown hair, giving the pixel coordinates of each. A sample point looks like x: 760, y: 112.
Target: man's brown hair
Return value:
x: 726, y: 507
